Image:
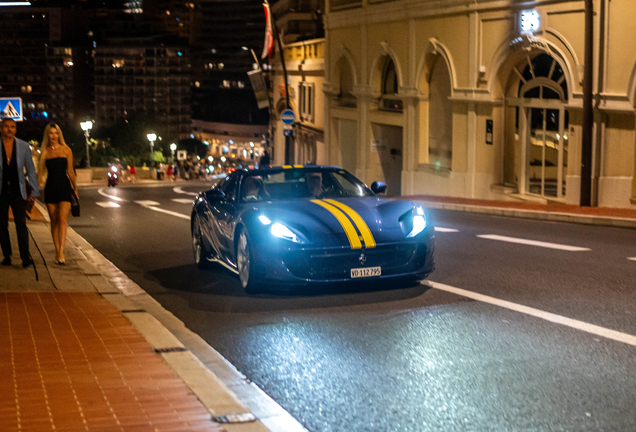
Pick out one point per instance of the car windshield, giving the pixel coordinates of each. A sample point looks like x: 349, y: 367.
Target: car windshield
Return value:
x: 286, y: 184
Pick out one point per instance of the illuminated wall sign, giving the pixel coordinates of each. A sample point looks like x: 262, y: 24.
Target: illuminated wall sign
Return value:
x: 530, y: 20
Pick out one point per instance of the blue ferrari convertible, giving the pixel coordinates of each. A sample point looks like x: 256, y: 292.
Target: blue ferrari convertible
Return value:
x: 299, y: 225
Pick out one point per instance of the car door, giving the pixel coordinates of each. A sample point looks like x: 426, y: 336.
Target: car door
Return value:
x: 225, y: 210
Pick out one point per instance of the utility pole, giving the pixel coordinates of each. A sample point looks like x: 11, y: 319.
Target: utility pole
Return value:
x: 588, y: 112
x: 289, y: 140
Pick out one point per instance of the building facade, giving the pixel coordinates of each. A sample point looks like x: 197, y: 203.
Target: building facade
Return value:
x: 481, y: 99
x: 305, y: 64
x: 43, y: 62
x: 233, y: 141
x: 139, y: 78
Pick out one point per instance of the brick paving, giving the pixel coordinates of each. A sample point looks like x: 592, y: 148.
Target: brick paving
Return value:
x: 72, y: 362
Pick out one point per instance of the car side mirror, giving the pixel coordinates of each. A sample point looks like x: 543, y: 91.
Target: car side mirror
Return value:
x: 378, y: 187
x: 215, y: 195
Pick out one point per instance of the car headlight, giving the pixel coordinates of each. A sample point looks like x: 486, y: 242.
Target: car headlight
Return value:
x: 413, y: 222
x: 281, y: 231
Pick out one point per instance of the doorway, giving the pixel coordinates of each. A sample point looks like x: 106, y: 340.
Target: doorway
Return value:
x: 537, y: 157
x: 388, y: 143
x: 547, y: 151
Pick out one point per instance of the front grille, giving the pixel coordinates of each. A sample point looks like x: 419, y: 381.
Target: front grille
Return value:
x: 328, y: 264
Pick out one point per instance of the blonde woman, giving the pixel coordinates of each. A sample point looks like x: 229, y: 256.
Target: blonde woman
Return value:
x: 56, y: 173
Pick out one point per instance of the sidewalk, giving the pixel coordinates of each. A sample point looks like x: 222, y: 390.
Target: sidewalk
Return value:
x: 83, y: 348
x: 603, y: 216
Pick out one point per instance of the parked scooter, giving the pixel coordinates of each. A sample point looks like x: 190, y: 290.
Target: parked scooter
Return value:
x: 113, y: 176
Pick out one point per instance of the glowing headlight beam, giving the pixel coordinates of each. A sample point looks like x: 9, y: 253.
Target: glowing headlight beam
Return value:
x: 419, y: 224
x: 281, y: 231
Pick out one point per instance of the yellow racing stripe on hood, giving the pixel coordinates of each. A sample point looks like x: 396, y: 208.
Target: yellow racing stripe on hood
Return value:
x: 346, y: 224
x: 369, y: 241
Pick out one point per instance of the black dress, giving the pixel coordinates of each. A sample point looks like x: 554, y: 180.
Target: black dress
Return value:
x: 58, y: 186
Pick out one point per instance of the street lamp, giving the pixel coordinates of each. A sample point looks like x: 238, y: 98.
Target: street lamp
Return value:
x: 86, y: 127
x: 173, y: 147
x: 152, y: 138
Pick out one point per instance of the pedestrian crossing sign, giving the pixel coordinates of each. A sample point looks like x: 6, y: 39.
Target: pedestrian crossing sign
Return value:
x: 11, y: 108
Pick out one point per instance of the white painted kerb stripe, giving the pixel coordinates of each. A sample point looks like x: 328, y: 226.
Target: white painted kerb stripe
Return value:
x: 447, y: 230
x: 533, y: 243
x: 558, y: 319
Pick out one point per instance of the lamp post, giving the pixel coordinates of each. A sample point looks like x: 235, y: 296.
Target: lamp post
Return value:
x: 173, y: 147
x: 152, y: 137
x: 86, y: 127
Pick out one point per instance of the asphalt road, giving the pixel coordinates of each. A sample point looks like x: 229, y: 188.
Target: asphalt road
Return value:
x: 385, y: 358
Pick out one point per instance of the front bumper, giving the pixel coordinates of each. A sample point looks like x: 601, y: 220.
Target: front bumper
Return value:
x: 330, y: 265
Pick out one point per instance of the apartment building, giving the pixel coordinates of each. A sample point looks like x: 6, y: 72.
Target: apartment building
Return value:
x: 43, y: 62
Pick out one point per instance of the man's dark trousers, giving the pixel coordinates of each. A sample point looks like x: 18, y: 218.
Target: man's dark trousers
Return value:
x: 14, y: 200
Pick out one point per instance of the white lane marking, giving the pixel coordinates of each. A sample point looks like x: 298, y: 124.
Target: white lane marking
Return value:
x: 152, y: 206
x: 179, y: 215
x: 446, y: 230
x: 181, y: 191
x: 147, y: 203
x: 182, y: 200
x: 102, y: 192
x: 558, y: 319
x: 632, y: 259
x: 108, y: 204
x: 533, y: 243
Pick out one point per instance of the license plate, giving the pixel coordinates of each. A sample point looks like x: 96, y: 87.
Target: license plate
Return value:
x: 366, y: 272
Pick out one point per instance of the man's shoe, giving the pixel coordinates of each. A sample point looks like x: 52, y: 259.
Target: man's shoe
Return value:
x: 7, y: 261
x: 27, y: 262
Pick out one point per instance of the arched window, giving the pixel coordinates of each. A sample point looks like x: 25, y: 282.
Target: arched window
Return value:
x: 389, y: 79
x: 543, y: 78
x: 440, y: 117
x: 390, y: 101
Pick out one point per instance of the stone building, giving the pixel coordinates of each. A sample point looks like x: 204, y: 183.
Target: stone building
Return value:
x: 305, y: 65
x: 480, y: 99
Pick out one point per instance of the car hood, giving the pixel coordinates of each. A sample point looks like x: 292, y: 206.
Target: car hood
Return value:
x: 333, y: 222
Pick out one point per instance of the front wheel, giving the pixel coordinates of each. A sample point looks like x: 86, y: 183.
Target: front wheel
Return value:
x: 201, y: 255
x: 244, y: 264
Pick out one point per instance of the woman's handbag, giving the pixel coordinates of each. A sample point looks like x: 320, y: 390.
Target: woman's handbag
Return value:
x: 75, y: 205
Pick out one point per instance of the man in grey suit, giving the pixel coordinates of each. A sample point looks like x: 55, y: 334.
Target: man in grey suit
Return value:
x: 16, y: 160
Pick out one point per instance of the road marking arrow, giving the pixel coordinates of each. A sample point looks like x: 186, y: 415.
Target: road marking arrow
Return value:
x: 102, y: 192
x: 181, y: 191
x: 147, y: 203
x: 152, y: 205
x: 108, y: 204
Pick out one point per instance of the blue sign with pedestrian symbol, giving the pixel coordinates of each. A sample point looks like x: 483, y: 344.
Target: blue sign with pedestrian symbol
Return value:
x: 288, y: 117
x: 288, y: 132
x: 11, y: 108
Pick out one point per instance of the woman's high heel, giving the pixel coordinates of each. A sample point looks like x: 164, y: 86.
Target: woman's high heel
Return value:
x: 60, y: 259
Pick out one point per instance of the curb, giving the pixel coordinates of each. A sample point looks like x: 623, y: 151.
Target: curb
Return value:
x: 226, y: 393
x: 535, y: 214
